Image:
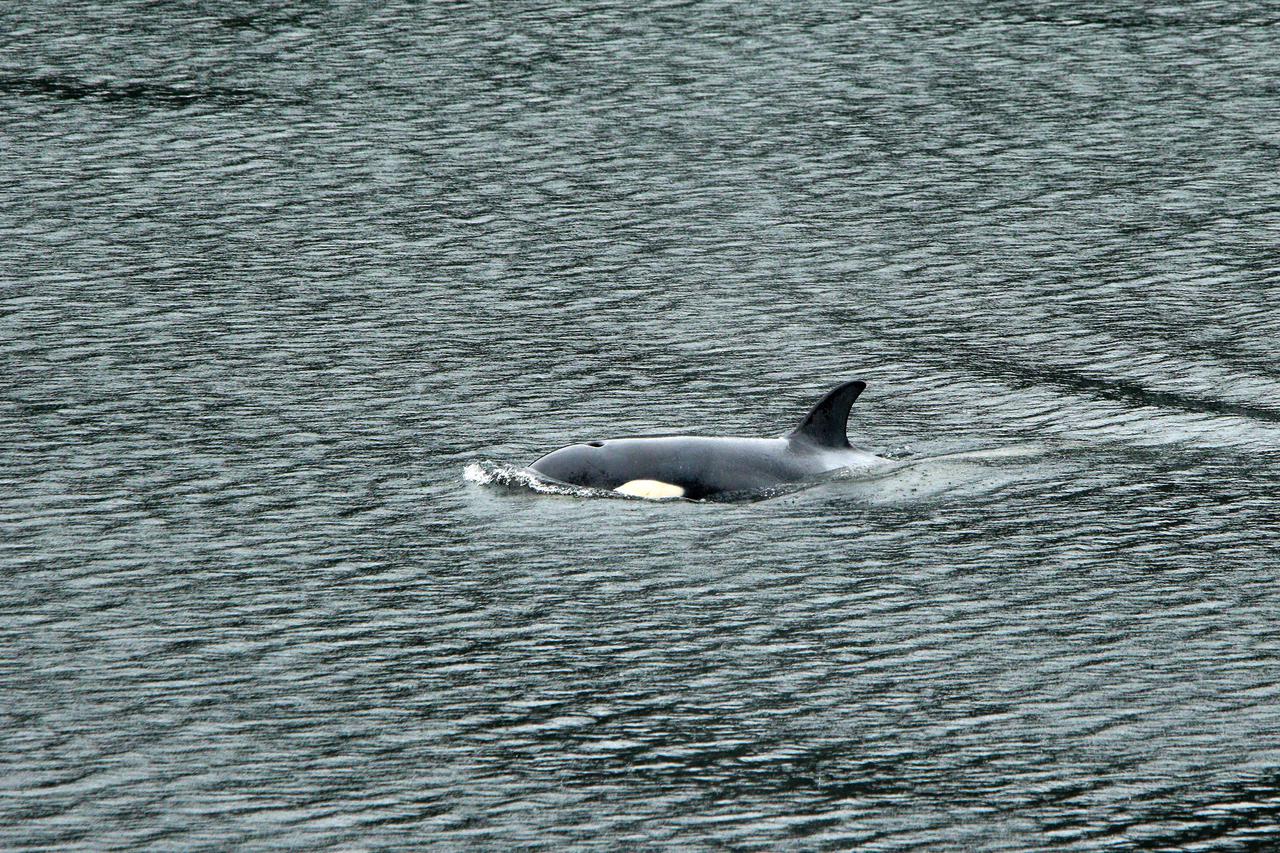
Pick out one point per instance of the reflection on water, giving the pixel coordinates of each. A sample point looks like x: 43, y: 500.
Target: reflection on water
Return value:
x: 290, y: 297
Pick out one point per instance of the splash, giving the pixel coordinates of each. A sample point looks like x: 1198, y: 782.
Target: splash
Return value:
x: 503, y: 475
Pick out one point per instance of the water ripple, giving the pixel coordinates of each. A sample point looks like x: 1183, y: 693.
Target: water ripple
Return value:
x: 291, y: 296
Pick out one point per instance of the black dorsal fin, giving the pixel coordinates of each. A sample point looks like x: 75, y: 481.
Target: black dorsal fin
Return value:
x: 827, y: 421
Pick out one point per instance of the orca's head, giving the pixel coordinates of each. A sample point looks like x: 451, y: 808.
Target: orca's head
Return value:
x: 578, y: 465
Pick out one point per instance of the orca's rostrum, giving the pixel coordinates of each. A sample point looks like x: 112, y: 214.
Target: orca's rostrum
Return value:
x: 700, y: 468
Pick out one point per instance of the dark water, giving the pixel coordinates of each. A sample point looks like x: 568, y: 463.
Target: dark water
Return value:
x: 284, y: 287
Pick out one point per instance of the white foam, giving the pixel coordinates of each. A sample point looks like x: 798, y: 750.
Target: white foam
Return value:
x: 488, y: 473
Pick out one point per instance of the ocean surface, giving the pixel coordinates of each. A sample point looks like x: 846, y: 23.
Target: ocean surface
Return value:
x: 291, y: 292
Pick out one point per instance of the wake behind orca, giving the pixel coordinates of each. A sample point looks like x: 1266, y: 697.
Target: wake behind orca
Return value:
x: 716, y: 468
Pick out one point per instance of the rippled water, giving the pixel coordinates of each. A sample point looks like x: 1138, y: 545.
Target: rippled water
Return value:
x: 288, y: 292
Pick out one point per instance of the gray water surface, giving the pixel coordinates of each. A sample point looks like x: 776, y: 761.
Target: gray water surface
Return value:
x: 290, y: 292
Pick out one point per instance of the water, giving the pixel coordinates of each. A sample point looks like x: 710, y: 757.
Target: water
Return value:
x: 286, y: 290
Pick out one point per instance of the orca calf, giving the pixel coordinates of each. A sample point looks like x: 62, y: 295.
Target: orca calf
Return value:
x: 701, y: 468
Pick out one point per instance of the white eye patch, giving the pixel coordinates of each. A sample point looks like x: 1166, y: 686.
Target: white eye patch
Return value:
x: 654, y: 490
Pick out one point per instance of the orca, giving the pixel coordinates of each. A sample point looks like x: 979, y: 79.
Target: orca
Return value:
x: 716, y: 468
